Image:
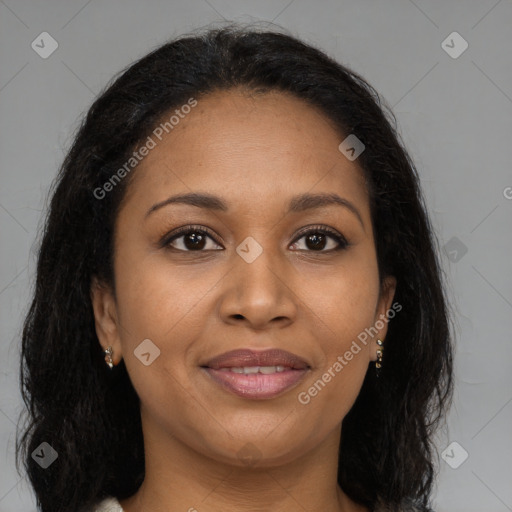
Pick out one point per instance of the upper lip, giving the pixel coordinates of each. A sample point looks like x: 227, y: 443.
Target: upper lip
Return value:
x: 247, y: 358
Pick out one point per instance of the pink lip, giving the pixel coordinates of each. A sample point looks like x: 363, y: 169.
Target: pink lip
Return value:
x: 257, y: 385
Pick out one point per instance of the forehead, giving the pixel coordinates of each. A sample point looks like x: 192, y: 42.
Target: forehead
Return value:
x: 249, y: 145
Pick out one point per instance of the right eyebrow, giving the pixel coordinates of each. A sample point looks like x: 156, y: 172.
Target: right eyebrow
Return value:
x: 207, y: 201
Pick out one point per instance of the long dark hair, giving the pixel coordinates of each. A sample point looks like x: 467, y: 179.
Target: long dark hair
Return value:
x: 90, y: 415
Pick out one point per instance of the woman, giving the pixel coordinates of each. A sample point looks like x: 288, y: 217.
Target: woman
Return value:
x: 238, y: 304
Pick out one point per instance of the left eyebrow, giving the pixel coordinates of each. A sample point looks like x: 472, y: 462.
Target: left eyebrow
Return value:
x: 297, y: 204
x: 306, y: 201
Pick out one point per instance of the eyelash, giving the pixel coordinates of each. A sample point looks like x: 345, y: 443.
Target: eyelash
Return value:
x: 168, y: 239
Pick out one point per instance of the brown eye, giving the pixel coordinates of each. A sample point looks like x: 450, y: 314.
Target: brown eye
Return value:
x: 316, y: 240
x: 192, y: 239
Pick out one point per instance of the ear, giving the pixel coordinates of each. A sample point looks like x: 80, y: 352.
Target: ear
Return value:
x: 381, y: 319
x: 105, y: 318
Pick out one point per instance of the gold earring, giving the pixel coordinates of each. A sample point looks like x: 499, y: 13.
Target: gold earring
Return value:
x: 378, y: 363
x: 108, y: 357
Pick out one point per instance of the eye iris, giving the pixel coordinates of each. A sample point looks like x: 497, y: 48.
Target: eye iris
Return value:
x: 196, y: 240
x: 315, y: 241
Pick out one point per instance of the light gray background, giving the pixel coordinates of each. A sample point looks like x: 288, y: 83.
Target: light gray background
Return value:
x: 454, y: 116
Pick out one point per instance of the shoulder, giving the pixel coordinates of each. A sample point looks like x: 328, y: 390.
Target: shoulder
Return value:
x: 108, y: 505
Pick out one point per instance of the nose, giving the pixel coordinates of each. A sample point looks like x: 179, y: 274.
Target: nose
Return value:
x: 259, y: 294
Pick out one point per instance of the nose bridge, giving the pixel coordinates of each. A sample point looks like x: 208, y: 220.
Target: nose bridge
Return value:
x: 256, y: 288
x: 259, y: 268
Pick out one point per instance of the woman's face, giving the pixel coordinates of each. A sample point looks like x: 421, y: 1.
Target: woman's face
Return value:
x: 254, y: 281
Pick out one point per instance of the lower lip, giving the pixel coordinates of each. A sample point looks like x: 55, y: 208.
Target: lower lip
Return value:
x: 257, y: 385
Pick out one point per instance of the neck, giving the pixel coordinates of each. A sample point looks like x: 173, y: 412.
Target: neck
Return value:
x: 179, y: 478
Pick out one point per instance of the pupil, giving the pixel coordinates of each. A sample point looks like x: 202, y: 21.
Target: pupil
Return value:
x: 317, y: 241
x: 196, y: 239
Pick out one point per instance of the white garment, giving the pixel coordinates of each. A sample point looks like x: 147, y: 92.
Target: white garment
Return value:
x: 109, y: 505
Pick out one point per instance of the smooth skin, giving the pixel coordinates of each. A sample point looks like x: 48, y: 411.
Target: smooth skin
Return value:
x: 255, y: 151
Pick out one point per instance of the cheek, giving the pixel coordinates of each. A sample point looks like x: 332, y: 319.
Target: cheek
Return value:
x: 157, y: 298
x: 167, y: 305
x: 342, y: 302
x: 342, y: 313
x: 343, y: 308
